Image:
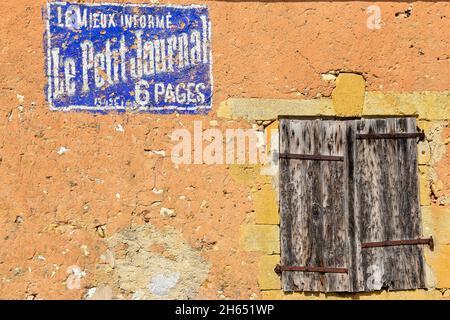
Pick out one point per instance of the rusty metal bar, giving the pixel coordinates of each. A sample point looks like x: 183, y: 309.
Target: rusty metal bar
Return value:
x: 280, y: 269
x: 420, y: 135
x: 391, y: 243
x: 310, y: 157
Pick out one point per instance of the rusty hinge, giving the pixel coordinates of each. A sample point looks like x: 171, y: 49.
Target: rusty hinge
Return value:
x: 420, y: 135
x: 310, y: 157
x: 280, y: 269
x: 429, y: 241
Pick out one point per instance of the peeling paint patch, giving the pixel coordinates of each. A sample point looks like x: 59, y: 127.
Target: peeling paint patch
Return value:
x: 168, y: 213
x: 149, y: 263
x: 119, y: 128
x: 162, y: 284
x: 329, y: 76
x: 62, y: 151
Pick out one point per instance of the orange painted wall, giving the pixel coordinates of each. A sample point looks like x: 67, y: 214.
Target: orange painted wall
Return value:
x: 57, y: 211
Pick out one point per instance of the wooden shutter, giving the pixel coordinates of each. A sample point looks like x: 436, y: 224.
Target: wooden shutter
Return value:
x: 348, y: 189
x: 312, y: 200
x: 386, y: 205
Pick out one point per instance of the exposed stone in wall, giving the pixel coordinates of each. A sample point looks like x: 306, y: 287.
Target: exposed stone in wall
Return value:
x: 270, y: 109
x: 440, y: 163
x: 348, y: 96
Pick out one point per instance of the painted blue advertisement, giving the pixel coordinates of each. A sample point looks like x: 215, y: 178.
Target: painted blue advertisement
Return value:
x: 128, y: 57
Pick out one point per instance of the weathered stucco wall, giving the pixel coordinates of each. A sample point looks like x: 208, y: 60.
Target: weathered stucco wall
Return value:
x: 92, y: 205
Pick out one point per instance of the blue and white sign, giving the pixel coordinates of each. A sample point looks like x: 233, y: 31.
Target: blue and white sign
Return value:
x: 119, y: 57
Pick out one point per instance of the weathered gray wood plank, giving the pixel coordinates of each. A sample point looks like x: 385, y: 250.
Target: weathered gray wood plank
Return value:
x: 387, y: 206
x: 334, y: 216
x: 356, y: 281
x: 313, y: 217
